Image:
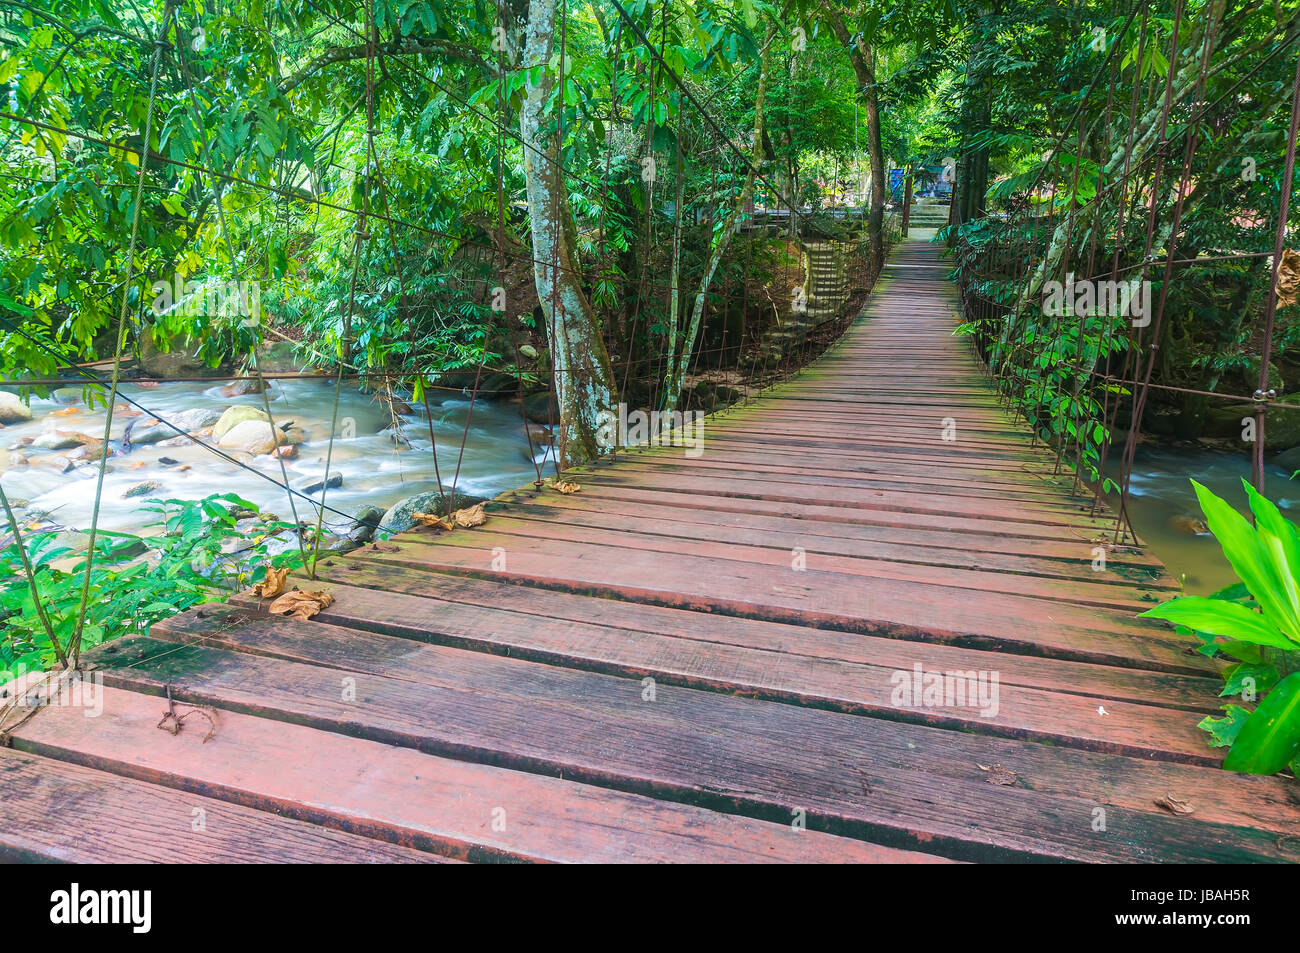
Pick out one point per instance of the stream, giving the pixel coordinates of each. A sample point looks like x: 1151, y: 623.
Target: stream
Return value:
x: 1167, y: 516
x: 375, y: 471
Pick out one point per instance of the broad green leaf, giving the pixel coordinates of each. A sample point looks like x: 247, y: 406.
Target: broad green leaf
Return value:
x: 1271, y: 736
x: 1277, y: 538
x: 1249, y: 560
x: 1216, y: 617
x: 1249, y: 680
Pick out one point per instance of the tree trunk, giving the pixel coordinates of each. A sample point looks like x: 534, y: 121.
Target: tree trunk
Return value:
x: 580, y: 361
x: 679, y: 361
x: 863, y: 59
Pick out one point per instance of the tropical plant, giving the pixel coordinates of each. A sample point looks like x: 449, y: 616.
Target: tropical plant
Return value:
x: 1257, y: 623
x: 202, y: 555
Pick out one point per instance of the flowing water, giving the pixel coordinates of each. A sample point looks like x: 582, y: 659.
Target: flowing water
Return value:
x: 375, y: 471
x: 1167, y: 517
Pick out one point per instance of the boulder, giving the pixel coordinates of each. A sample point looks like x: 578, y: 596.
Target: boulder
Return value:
x: 366, y: 522
x: 234, y: 416
x: 61, y: 440
x: 401, y: 515
x: 540, y: 408
x: 494, y: 384
x: 67, y: 395
x: 186, y: 421
x: 175, y: 361
x: 251, y: 436
x: 1225, y: 420
x: 13, y: 410
x: 316, y: 484
x: 141, y: 489
x: 1288, y: 460
x: 242, y: 388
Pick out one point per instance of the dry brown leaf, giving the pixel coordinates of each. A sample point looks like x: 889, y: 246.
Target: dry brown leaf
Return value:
x: 565, y: 487
x: 998, y: 775
x: 273, y: 584
x: 301, y: 605
x: 1174, y: 804
x: 470, y: 516
x: 1288, y: 278
x: 432, y: 519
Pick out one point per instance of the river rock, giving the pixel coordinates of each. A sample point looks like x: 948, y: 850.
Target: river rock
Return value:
x: 143, y: 488
x: 175, y: 361
x: 364, y: 526
x: 494, y: 384
x: 316, y: 484
x: 61, y: 440
x: 67, y: 395
x: 293, y: 435
x: 401, y: 515
x: 234, y: 416
x: 1288, y: 460
x: 12, y: 409
x: 540, y: 408
x: 242, y: 388
x: 1282, y: 425
x: 251, y: 436
x: 187, y: 421
x: 53, y: 461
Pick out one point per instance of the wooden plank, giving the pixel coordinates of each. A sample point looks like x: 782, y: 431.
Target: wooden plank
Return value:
x: 466, y: 811
x: 923, y: 542
x: 1140, y: 730
x: 884, y: 607
x: 851, y: 775
x: 572, y: 630
x: 778, y: 553
x: 52, y: 811
x: 785, y: 535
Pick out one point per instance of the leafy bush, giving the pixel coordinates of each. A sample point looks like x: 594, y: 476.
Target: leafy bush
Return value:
x: 1258, y: 622
x: 200, y: 556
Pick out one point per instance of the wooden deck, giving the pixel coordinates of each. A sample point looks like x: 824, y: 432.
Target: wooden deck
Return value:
x: 690, y: 660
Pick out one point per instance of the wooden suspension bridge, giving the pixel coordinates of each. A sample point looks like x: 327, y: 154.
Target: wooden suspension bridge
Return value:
x: 693, y: 659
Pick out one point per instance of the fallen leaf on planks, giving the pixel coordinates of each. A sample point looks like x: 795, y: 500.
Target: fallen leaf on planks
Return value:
x: 433, y: 520
x: 300, y: 605
x: 1173, y: 804
x: 470, y: 516
x: 273, y: 584
x: 999, y: 775
x: 565, y: 487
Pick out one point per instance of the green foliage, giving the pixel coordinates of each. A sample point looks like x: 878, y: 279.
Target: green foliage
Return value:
x: 1263, y: 614
x: 200, y: 555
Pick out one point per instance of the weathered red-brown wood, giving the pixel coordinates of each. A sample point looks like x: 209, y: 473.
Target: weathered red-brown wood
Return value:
x: 644, y: 671
x: 625, y: 639
x: 459, y: 809
x: 54, y: 811
x: 758, y: 758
